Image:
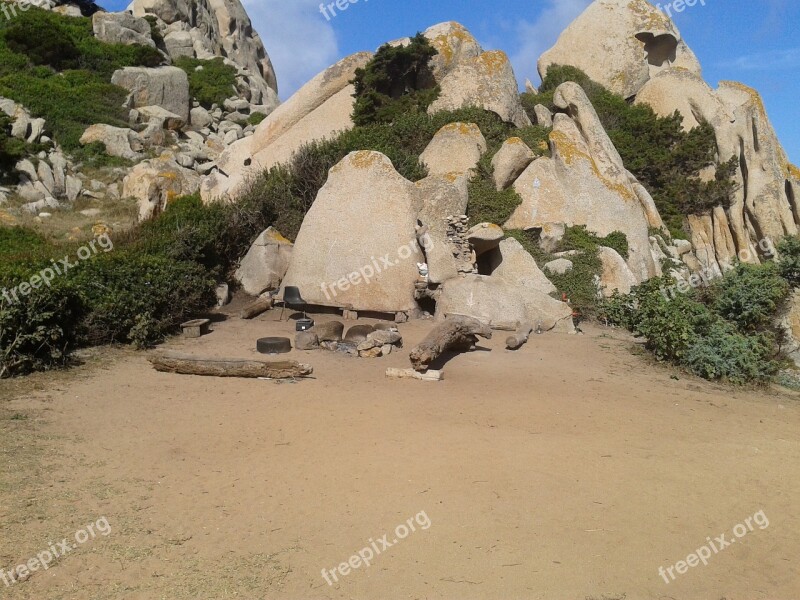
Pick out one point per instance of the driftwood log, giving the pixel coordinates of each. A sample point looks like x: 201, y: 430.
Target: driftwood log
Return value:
x: 183, y: 364
x: 260, y: 306
x: 520, y: 337
x: 459, y: 334
x: 412, y: 374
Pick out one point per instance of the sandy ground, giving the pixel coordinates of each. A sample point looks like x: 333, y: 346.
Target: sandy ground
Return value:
x: 573, y: 469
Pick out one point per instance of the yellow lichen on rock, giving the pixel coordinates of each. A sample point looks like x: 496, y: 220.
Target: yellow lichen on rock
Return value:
x: 444, y: 43
x: 365, y: 159
x: 493, y: 62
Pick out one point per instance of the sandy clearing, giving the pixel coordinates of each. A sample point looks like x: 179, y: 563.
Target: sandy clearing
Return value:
x: 571, y: 469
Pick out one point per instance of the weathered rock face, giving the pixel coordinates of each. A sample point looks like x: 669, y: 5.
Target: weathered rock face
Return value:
x: 265, y: 264
x: 216, y: 28
x: 495, y: 299
x: 153, y: 183
x: 621, y: 44
x: 486, y: 81
x: 456, y: 148
x: 321, y: 108
x: 764, y: 203
x: 615, y: 275
x: 510, y: 161
x: 357, y: 246
x: 122, y: 28
x: 438, y: 198
x: 167, y: 87
x: 117, y: 140
x: 514, y: 264
x: 584, y: 183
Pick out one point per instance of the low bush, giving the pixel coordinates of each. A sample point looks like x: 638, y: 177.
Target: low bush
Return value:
x: 723, y: 353
x: 789, y: 260
x: 725, y: 332
x: 55, y: 67
x: 210, y: 81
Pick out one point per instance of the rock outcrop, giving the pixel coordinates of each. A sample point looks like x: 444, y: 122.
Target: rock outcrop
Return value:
x: 122, y: 28
x: 208, y: 28
x: 323, y: 107
x: 621, y: 44
x: 456, y: 148
x: 154, y: 183
x: 357, y: 246
x: 494, y: 299
x: 265, y: 264
x: 167, y: 87
x: 584, y: 183
x: 317, y: 111
x: 764, y: 204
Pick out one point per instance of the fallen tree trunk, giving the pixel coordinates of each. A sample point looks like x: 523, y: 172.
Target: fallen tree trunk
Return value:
x: 183, y: 364
x: 520, y: 337
x: 456, y: 333
x: 251, y: 311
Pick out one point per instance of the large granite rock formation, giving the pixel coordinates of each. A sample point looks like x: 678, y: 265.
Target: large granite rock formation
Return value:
x: 358, y: 246
x: 621, y: 44
x: 208, y: 28
x: 323, y: 107
x: 584, y: 183
x: 764, y: 203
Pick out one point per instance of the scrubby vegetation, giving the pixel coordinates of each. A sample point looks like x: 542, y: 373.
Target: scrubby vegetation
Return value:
x: 210, y: 81
x: 579, y: 284
x: 57, y: 69
x: 725, y: 331
x: 665, y: 159
x: 397, y: 81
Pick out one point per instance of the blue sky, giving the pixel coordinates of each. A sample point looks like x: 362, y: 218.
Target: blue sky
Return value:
x: 752, y: 41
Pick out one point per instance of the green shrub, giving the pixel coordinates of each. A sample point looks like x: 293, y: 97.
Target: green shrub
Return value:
x: 726, y: 354
x: 212, y: 84
x: 670, y: 326
x: 750, y: 296
x: 487, y: 205
x: 578, y: 237
x: 57, y: 69
x: 134, y: 297
x: 397, y: 81
x: 789, y: 260
x: 537, y: 138
x: 68, y: 43
x: 256, y: 119
x: 38, y: 332
x: 529, y: 102
x: 580, y: 283
x: 19, y: 241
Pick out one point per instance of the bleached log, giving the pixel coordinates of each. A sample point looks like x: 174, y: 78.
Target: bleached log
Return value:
x: 455, y: 333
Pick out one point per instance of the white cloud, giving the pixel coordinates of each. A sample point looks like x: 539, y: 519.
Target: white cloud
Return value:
x: 537, y: 36
x: 298, y: 39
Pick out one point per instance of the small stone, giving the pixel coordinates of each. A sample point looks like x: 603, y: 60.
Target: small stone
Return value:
x: 306, y: 340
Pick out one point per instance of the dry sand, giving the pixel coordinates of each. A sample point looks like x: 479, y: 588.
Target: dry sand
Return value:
x: 573, y: 468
